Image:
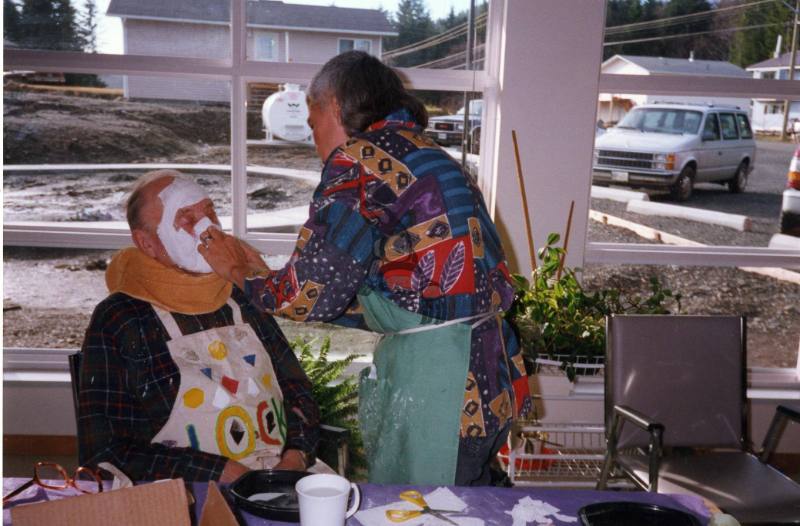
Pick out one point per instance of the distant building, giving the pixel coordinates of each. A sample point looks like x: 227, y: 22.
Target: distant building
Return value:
x: 276, y: 32
x: 613, y: 106
x: 768, y: 113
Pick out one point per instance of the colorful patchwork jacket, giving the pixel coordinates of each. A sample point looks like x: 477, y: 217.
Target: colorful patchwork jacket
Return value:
x: 395, y: 213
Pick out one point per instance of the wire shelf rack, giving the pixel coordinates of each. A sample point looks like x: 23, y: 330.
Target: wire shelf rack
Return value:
x: 556, y: 455
x: 553, y: 365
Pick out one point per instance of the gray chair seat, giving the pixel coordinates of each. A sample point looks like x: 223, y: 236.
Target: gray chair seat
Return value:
x: 737, y: 482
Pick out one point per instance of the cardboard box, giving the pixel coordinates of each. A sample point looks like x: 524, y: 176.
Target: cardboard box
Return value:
x: 157, y: 504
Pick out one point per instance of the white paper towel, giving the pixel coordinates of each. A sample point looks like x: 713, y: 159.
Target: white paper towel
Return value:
x: 438, y: 499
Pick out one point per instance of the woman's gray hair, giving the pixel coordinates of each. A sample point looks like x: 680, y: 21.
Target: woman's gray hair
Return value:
x: 366, y: 89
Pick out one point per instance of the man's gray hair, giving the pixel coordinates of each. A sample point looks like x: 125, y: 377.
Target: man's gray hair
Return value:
x: 366, y: 89
x: 135, y: 203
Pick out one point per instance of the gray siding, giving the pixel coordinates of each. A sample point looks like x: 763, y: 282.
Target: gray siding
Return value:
x: 150, y: 37
x: 318, y: 48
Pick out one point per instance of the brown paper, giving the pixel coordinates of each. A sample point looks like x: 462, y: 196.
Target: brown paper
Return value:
x: 156, y: 504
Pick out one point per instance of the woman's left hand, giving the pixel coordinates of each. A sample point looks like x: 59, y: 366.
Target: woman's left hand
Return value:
x: 231, y: 258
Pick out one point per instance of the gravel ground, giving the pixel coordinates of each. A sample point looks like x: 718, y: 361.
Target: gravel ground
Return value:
x: 772, y: 306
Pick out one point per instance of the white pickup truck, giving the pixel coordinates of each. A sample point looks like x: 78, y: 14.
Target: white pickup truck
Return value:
x: 673, y: 146
x: 448, y: 130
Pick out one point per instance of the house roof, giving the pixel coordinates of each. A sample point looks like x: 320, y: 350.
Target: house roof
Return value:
x: 267, y: 13
x: 683, y: 66
x: 781, y: 62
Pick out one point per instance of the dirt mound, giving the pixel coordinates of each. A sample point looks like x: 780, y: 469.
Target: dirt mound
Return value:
x: 57, y: 128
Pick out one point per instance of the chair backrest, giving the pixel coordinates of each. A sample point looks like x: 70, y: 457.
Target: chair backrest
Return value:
x: 686, y: 372
x: 75, y: 375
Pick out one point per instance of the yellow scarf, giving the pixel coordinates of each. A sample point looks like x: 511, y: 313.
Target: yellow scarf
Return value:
x: 140, y: 276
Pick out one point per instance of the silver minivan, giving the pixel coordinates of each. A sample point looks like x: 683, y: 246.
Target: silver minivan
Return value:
x: 672, y: 146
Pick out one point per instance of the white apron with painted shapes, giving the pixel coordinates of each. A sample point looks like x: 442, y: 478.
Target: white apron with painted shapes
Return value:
x: 229, y: 402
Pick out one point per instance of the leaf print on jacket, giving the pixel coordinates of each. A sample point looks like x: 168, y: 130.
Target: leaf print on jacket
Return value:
x: 423, y: 273
x: 453, y: 267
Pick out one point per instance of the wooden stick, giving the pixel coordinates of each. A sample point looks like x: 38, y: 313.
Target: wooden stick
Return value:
x: 566, y: 241
x: 528, y: 227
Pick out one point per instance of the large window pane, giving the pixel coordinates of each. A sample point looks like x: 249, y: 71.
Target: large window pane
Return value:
x: 72, y: 155
x: 140, y: 27
x: 282, y: 174
x: 770, y: 305
x: 652, y: 143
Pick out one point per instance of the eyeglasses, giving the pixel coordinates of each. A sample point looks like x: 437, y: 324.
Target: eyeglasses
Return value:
x: 48, y: 475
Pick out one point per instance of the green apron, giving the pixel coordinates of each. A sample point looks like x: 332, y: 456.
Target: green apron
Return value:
x: 410, y: 401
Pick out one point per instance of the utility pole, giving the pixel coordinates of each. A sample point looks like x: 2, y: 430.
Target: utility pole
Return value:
x: 787, y: 104
x: 465, y: 135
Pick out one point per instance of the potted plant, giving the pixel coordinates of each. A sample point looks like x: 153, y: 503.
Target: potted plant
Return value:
x: 560, y: 324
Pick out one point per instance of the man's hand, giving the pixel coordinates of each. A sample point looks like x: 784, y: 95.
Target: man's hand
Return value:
x: 233, y: 470
x: 292, y: 460
x: 231, y: 258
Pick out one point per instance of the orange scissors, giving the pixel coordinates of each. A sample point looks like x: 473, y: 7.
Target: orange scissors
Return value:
x: 416, y: 498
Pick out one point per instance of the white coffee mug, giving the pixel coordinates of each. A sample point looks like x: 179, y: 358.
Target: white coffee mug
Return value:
x: 323, y: 499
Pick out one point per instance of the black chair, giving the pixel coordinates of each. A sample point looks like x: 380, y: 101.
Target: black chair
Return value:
x: 681, y: 382
x: 333, y: 441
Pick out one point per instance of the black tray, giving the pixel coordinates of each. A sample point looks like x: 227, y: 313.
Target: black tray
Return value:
x: 284, y: 508
x: 639, y: 513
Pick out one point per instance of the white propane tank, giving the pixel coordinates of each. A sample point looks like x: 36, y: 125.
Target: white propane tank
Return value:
x: 285, y: 114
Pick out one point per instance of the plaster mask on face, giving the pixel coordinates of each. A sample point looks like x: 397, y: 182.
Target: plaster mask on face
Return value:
x: 180, y: 245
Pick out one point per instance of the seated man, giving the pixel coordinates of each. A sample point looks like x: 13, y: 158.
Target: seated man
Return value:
x: 181, y: 376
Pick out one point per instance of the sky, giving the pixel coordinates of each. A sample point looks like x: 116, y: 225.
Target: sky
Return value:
x: 109, y: 30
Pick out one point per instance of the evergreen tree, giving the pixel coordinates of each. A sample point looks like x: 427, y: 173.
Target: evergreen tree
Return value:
x: 413, y: 23
x: 11, y: 21
x: 89, y: 27
x: 754, y: 45
x: 49, y: 24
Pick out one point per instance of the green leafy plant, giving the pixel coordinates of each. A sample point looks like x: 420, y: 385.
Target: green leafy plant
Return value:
x: 337, y: 396
x: 554, y: 315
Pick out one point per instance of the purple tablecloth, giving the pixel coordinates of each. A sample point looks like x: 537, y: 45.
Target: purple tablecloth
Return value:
x: 488, y: 504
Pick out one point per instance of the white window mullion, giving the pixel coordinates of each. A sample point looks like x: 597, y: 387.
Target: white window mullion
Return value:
x: 99, y: 63
x: 695, y: 85
x: 238, y: 119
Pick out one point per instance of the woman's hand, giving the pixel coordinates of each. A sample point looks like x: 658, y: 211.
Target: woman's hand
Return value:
x: 231, y: 258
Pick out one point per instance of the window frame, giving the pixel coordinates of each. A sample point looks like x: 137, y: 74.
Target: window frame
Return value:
x: 275, y: 48
x: 353, y: 40
x: 239, y: 71
x: 687, y: 85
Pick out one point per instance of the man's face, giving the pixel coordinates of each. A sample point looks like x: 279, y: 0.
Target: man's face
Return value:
x: 324, y: 120
x: 175, y: 214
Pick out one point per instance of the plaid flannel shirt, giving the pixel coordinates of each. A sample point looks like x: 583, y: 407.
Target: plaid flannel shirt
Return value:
x: 129, y: 383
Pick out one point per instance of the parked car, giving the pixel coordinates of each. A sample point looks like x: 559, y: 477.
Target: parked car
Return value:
x: 674, y: 146
x: 448, y: 130
x: 790, y: 209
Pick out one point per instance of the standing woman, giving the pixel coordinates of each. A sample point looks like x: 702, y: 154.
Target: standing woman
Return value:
x: 399, y: 241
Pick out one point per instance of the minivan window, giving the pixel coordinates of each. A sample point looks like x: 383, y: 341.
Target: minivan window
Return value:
x: 744, y: 126
x: 727, y: 123
x: 662, y: 120
x: 711, y: 129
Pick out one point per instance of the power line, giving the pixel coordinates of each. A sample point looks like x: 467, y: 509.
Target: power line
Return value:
x: 679, y: 19
x: 416, y: 48
x: 461, y: 29
x: 670, y: 37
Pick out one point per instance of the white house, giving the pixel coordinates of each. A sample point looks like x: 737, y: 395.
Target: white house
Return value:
x: 613, y: 106
x: 768, y: 113
x: 276, y: 32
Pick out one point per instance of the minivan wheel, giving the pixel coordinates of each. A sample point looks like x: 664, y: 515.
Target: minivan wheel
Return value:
x: 682, y: 189
x: 738, y: 182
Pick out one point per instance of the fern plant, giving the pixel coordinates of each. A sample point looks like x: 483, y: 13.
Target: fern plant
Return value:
x: 336, y: 396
